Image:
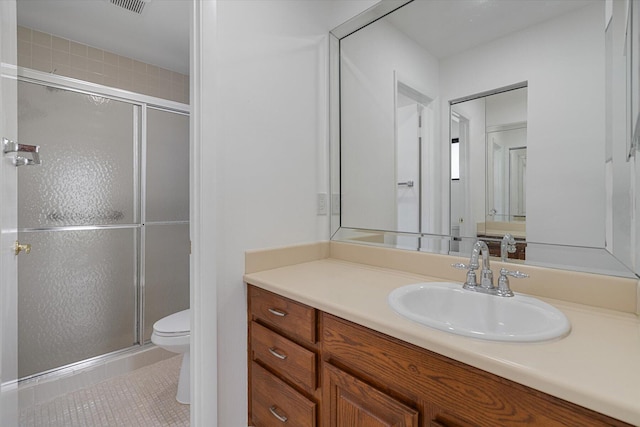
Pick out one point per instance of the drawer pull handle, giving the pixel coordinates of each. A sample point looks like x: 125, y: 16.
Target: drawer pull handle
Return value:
x: 273, y: 351
x: 277, y: 312
x: 282, y: 418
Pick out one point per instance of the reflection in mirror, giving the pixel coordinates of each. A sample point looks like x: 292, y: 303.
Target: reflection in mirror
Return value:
x: 488, y: 190
x: 547, y: 186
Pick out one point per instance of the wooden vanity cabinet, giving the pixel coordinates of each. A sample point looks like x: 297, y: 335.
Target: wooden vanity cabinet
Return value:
x: 444, y: 392
x: 283, y: 361
x: 340, y: 374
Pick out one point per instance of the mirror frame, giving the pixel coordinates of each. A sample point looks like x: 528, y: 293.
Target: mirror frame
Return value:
x: 588, y: 257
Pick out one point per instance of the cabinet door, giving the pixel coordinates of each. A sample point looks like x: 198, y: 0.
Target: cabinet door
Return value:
x: 350, y: 402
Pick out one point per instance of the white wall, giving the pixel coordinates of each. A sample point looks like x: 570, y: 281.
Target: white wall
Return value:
x: 565, y: 121
x: 506, y: 108
x: 368, y: 61
x: 262, y: 126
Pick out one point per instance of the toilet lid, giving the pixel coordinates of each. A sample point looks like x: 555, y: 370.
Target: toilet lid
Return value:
x: 177, y: 323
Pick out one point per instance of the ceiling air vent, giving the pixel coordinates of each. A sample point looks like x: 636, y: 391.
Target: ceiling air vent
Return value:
x: 132, y: 5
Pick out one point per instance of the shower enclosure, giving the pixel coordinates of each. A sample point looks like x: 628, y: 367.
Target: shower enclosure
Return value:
x: 107, y: 217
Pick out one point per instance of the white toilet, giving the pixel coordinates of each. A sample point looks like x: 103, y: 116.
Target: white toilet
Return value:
x: 173, y: 333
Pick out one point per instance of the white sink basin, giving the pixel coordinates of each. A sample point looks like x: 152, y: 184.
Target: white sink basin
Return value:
x: 448, y: 307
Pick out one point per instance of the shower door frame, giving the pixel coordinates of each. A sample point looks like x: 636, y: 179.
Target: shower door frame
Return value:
x: 140, y: 102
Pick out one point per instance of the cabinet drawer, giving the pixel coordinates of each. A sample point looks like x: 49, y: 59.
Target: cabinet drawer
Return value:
x: 289, y: 316
x: 287, y: 358
x: 274, y: 403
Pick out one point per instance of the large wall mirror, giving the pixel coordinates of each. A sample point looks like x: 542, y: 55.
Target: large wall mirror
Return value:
x: 459, y: 120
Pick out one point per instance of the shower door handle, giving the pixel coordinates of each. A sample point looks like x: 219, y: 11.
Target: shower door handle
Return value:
x: 18, y: 247
x: 9, y: 146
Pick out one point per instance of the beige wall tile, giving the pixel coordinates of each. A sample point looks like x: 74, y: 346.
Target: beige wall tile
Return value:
x: 96, y: 67
x: 125, y: 63
x: 153, y: 82
x: 76, y: 73
x: 95, y: 77
x: 126, y: 85
x: 60, y: 44
x: 111, y: 59
x: 79, y: 62
x: 111, y: 81
x: 41, y: 53
x: 61, y: 69
x: 48, y: 53
x: 164, y: 90
x: 152, y: 70
x: 110, y: 72
x: 24, y: 61
x: 77, y: 49
x: 177, y: 77
x: 186, y: 96
x: 139, y: 79
x: 42, y: 39
x: 24, y: 50
x: 61, y: 58
x: 164, y: 74
x: 95, y: 54
x: 42, y: 65
x: 180, y: 93
x: 24, y: 34
x: 125, y: 76
x: 139, y: 86
x: 139, y: 67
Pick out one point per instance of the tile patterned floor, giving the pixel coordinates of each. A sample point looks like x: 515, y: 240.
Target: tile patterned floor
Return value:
x: 142, y: 398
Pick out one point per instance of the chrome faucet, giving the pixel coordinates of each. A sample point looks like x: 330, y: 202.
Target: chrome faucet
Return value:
x: 507, y: 246
x: 486, y: 276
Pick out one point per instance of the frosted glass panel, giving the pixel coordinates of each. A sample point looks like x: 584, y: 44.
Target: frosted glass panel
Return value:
x: 88, y: 153
x: 76, y: 296
x: 166, y: 272
x: 167, y: 166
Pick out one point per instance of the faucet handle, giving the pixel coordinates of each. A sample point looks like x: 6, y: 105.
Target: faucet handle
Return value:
x: 503, y: 282
x: 517, y: 274
x: 460, y: 266
x: 471, y: 282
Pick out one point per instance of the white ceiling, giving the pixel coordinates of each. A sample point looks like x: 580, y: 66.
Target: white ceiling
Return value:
x: 448, y: 27
x: 158, y: 36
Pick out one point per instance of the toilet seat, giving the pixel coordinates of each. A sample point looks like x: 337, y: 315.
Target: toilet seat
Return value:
x: 176, y: 325
x: 173, y: 333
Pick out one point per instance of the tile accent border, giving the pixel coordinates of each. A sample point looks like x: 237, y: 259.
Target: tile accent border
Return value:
x: 51, y: 54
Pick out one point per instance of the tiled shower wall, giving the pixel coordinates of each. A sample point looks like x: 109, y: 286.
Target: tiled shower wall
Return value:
x: 45, y: 52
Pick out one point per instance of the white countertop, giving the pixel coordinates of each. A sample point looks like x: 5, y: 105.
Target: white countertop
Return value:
x: 596, y: 366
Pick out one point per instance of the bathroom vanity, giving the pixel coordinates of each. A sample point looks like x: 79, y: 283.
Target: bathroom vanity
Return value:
x: 349, y: 372
x: 325, y: 349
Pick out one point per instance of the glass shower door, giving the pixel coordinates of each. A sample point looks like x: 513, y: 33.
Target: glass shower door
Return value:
x: 166, y: 216
x: 77, y: 291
